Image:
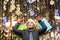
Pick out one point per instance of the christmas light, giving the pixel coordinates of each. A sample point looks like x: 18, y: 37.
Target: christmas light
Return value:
x: 7, y: 24
x: 4, y: 19
x: 51, y: 2
x: 32, y: 13
x: 4, y: 7
x: 12, y: 7
x: 13, y: 23
x: 31, y: 1
x: 25, y: 14
x: 6, y: 0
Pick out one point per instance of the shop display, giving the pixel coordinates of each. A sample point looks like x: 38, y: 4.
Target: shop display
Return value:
x: 28, y: 9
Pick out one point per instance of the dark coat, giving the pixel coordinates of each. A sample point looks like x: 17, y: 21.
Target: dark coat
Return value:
x: 26, y: 33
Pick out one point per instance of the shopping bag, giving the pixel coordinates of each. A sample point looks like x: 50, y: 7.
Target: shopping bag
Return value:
x: 20, y: 27
x: 47, y: 24
x: 36, y: 25
x: 39, y: 24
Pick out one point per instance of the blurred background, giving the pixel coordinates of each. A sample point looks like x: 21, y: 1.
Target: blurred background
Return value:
x: 12, y: 10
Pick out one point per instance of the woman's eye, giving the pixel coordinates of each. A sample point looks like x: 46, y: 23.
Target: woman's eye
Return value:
x: 32, y: 22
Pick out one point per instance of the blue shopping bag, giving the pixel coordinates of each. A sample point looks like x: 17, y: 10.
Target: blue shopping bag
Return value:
x: 47, y: 24
x: 39, y: 24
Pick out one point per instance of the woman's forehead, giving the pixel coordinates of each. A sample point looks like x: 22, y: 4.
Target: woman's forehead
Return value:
x: 30, y: 22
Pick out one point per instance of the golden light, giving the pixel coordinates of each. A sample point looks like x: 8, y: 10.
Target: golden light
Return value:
x: 38, y: 8
x: 13, y: 23
x: 4, y: 7
x: 12, y: 7
x: 7, y: 24
x: 51, y: 2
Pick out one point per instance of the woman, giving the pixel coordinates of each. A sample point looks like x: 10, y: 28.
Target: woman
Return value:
x: 30, y: 33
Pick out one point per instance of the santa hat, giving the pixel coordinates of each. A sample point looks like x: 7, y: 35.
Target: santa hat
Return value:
x: 30, y: 20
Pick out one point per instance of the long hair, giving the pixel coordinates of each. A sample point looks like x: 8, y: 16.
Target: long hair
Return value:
x: 33, y: 25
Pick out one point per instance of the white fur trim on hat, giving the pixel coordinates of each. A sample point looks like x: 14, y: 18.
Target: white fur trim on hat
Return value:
x: 31, y: 20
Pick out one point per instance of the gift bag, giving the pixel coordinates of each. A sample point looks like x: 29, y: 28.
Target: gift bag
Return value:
x: 36, y: 25
x: 47, y: 24
x: 21, y: 26
x: 39, y: 24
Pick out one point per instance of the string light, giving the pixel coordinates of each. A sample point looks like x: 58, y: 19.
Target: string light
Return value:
x: 18, y: 12
x: 7, y: 24
x: 4, y: 7
x: 12, y: 6
x: 25, y: 14
x: 32, y: 13
x: 4, y: 19
x: 31, y: 1
x: 38, y: 8
x: 51, y: 2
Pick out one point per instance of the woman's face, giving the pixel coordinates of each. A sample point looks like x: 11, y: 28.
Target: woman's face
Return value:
x: 30, y: 25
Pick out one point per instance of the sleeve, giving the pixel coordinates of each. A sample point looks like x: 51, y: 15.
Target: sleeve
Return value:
x: 43, y: 28
x: 17, y: 31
